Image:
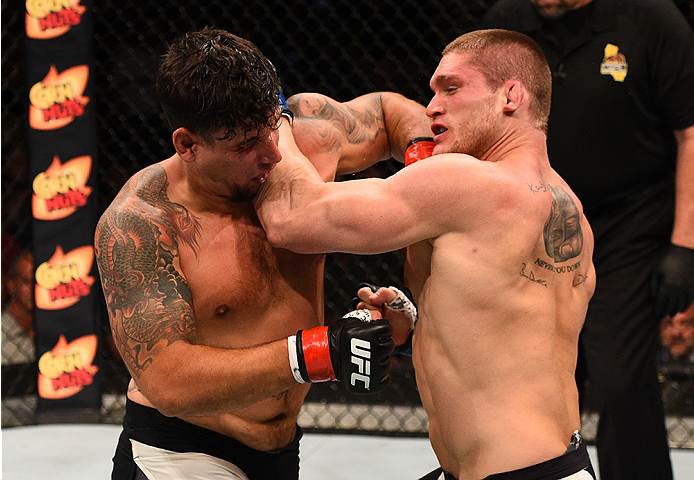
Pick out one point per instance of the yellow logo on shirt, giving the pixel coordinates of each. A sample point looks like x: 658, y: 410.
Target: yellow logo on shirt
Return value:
x: 614, y: 63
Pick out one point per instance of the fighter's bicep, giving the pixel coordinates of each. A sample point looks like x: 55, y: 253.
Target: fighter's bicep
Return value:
x: 420, y: 210
x: 375, y: 215
x: 147, y: 297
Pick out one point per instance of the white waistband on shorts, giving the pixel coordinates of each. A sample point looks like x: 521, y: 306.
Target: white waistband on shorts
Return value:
x: 161, y: 464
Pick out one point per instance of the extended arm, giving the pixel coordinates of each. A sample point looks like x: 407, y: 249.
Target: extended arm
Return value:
x: 301, y: 213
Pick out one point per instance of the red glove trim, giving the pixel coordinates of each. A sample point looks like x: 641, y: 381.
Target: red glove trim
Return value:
x: 418, y: 149
x: 316, y: 350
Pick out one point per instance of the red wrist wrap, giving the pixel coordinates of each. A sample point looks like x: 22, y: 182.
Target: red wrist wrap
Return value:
x: 418, y: 149
x: 316, y: 352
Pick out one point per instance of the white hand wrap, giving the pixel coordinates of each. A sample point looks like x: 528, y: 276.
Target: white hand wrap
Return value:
x: 364, y: 315
x: 402, y: 304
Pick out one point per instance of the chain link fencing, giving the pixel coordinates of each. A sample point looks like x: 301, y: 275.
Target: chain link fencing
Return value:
x: 336, y: 47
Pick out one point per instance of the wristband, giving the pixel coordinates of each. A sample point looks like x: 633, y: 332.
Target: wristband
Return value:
x: 418, y: 149
x: 316, y: 353
x: 293, y: 360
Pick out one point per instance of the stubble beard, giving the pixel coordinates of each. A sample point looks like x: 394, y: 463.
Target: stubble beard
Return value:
x: 477, y: 135
x: 243, y: 194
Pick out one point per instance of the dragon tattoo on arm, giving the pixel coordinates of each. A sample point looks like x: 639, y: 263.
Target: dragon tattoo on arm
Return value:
x: 136, y: 245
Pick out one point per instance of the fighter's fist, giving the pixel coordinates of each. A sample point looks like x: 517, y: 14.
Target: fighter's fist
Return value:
x: 352, y: 350
x: 396, y: 307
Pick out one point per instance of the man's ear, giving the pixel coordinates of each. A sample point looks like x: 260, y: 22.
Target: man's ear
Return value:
x: 185, y: 143
x: 515, y: 93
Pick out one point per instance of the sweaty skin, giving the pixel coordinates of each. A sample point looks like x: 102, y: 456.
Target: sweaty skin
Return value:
x: 499, y: 260
x: 200, y: 303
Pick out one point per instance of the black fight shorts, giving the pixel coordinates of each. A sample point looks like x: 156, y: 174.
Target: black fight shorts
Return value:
x: 147, y: 425
x: 575, y: 460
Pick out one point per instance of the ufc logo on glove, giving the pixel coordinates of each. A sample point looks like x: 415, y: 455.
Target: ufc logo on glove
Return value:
x: 361, y: 353
x: 354, y: 350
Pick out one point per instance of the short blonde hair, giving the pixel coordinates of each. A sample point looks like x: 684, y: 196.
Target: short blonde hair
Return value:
x: 504, y: 55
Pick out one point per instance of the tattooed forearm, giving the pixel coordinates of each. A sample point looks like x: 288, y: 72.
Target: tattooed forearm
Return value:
x: 332, y: 124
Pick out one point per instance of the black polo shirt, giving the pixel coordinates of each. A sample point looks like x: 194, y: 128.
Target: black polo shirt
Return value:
x: 623, y: 80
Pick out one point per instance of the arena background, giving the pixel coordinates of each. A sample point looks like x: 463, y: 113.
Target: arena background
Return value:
x: 336, y: 47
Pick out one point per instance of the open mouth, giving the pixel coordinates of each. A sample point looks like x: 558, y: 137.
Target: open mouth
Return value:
x: 262, y: 178
x: 438, y: 130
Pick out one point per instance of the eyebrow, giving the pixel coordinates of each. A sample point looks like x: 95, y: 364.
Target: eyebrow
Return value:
x: 444, y: 78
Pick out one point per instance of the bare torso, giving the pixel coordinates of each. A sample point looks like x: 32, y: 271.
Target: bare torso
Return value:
x: 246, y: 293
x: 496, y: 343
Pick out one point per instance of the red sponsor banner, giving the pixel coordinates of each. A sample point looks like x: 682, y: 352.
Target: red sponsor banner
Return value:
x: 50, y: 19
x: 64, y: 279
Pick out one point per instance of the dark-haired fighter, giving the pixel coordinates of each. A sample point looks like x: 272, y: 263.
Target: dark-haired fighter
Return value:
x: 221, y: 332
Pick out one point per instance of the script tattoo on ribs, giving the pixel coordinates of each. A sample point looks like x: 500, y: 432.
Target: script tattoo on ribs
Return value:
x: 136, y: 243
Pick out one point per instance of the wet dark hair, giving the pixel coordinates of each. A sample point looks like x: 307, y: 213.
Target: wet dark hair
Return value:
x: 211, y: 80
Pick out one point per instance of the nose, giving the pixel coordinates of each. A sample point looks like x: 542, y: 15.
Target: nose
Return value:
x: 434, y: 108
x: 272, y: 153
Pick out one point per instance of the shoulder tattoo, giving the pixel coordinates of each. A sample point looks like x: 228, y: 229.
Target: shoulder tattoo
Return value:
x: 136, y: 243
x: 562, y: 233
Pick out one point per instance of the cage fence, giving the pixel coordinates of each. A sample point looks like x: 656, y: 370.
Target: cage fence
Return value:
x: 336, y: 47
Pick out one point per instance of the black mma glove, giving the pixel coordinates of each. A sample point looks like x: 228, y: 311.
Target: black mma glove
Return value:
x: 672, y: 282
x: 353, y: 350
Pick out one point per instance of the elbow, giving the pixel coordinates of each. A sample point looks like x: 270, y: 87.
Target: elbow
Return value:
x: 171, y: 398
x: 167, y: 402
x: 181, y: 406
x: 275, y: 226
x: 276, y: 236
x: 280, y: 233
x: 297, y: 241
